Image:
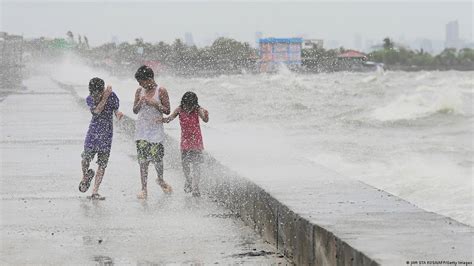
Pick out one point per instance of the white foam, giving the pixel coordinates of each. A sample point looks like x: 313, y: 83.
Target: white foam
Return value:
x: 422, y: 102
x: 369, y: 79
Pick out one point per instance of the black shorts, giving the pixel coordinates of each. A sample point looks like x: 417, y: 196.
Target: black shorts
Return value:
x: 102, y: 156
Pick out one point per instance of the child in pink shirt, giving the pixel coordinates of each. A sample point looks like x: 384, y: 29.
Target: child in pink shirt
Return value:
x: 191, y: 139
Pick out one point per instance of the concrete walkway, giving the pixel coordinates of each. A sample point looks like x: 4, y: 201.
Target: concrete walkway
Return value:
x: 46, y: 220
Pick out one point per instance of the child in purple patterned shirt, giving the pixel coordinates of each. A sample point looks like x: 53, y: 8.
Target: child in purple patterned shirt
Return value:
x: 103, y: 103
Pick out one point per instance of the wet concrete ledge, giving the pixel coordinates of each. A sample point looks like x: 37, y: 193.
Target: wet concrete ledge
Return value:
x: 329, y: 220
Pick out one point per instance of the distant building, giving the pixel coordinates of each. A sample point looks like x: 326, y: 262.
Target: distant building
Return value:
x: 436, y: 45
x: 352, y: 60
x: 452, y: 35
x: 115, y: 40
x: 426, y: 45
x: 310, y: 43
x: 352, y: 54
x: 188, y: 39
x: 258, y: 36
x: 277, y: 51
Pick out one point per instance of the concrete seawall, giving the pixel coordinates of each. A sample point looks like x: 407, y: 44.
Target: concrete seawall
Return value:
x: 326, y: 219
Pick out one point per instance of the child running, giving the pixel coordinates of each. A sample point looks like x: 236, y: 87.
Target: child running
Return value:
x: 151, y: 102
x: 191, y: 139
x: 103, y: 104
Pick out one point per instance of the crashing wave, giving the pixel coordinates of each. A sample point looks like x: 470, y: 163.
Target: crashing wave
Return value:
x: 423, y: 102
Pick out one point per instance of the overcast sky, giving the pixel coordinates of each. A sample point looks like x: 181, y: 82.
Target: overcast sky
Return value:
x: 165, y: 21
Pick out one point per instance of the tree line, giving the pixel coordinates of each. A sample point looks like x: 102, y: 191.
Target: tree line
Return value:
x: 229, y: 56
x: 404, y: 58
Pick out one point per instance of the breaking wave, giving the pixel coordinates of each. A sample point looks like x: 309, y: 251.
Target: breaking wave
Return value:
x: 424, y: 102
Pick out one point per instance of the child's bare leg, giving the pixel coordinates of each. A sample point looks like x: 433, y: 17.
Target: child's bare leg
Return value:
x: 144, y: 175
x: 98, y: 179
x: 85, y: 166
x: 159, y: 170
x: 187, y: 173
x: 196, y: 177
x: 159, y: 180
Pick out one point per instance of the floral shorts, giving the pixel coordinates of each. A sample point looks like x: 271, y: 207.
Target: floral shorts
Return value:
x: 148, y: 151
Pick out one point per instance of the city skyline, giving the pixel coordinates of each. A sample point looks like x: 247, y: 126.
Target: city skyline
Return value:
x: 413, y: 24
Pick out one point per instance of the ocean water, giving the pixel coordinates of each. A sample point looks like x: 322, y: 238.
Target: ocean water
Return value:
x: 408, y: 133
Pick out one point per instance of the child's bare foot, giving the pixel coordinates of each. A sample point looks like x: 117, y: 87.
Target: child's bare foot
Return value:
x: 142, y: 195
x: 164, y: 186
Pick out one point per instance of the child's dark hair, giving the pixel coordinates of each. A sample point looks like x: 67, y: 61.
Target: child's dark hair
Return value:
x: 144, y: 73
x: 189, y: 101
x: 96, y: 86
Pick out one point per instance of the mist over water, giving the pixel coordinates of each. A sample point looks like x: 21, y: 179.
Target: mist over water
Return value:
x: 409, y: 133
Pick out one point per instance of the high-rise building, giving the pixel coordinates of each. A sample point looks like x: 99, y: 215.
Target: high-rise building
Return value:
x: 115, y: 39
x: 426, y: 45
x: 452, y: 35
x: 188, y: 39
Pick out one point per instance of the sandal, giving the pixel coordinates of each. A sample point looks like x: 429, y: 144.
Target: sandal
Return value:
x: 85, y: 184
x: 96, y: 196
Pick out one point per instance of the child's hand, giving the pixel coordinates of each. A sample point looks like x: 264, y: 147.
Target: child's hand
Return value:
x: 152, y: 102
x: 108, y: 91
x: 119, y: 115
x: 204, y: 114
x: 160, y: 120
x: 143, y: 100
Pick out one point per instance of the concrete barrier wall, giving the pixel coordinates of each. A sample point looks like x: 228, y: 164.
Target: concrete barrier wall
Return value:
x: 305, y: 243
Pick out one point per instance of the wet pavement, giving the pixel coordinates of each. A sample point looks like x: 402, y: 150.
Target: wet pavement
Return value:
x: 46, y: 220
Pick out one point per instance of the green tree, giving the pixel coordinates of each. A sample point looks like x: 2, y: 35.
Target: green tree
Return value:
x: 447, y: 57
x: 231, y: 55
x: 387, y: 44
x: 466, y: 57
